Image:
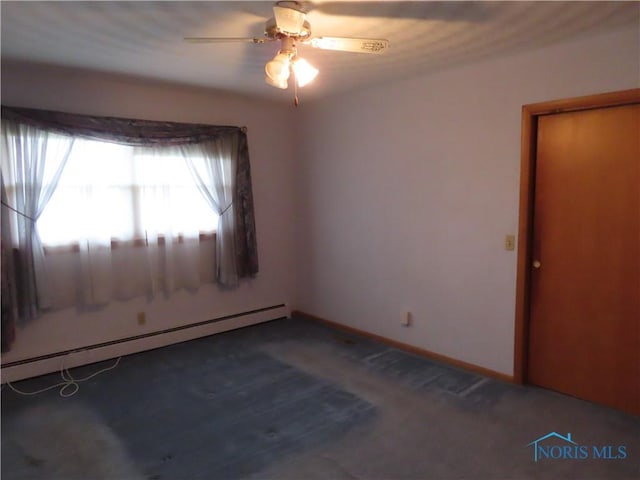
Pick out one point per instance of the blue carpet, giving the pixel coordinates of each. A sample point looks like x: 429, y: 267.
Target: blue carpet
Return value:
x: 234, y: 418
x: 209, y: 408
x: 292, y: 399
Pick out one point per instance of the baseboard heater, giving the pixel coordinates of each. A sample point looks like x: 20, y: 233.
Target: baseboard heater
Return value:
x: 42, y: 364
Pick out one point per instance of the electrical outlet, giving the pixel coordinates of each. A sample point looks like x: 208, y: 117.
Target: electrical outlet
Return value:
x: 142, y: 318
x: 510, y: 242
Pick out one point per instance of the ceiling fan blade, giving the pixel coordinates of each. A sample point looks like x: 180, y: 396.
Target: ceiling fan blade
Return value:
x: 224, y: 39
x: 344, y: 44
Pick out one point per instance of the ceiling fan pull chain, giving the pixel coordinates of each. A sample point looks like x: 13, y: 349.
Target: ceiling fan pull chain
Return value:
x: 295, y: 91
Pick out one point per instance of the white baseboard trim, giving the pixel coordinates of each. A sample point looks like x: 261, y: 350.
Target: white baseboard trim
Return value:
x: 34, y: 367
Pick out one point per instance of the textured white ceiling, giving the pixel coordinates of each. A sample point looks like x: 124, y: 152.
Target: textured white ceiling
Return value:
x: 144, y: 39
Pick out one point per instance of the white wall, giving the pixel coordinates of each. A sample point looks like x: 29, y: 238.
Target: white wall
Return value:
x: 407, y: 190
x: 273, y: 183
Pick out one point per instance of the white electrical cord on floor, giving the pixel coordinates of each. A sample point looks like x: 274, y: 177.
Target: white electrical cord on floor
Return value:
x: 68, y: 382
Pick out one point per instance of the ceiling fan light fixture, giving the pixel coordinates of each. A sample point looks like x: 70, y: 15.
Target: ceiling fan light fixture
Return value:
x: 303, y: 71
x: 278, y: 83
x: 277, y: 70
x: 290, y: 27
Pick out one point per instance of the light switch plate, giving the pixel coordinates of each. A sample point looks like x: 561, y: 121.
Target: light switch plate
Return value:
x: 510, y: 242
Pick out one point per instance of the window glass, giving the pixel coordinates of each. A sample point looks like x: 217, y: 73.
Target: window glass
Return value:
x: 109, y: 191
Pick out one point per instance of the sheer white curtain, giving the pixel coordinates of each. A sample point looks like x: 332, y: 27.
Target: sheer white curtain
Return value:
x: 213, y: 164
x: 173, y: 214
x: 33, y: 161
x: 133, y: 218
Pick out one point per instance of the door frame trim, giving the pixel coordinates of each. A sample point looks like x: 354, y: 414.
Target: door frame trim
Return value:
x: 530, y: 114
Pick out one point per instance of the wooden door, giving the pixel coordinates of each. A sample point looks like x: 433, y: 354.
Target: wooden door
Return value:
x: 584, y: 321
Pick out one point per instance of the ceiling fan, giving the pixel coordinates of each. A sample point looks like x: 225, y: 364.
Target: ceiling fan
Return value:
x: 290, y: 27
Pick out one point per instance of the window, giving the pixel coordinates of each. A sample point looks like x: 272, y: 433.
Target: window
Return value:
x: 115, y: 192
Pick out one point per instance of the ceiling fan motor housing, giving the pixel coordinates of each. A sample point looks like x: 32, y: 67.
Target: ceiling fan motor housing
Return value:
x: 287, y: 22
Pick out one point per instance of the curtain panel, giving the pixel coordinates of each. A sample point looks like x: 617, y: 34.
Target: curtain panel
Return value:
x: 32, y: 162
x: 245, y: 228
x: 8, y: 295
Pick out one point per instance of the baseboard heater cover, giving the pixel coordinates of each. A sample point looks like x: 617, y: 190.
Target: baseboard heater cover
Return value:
x: 105, y: 350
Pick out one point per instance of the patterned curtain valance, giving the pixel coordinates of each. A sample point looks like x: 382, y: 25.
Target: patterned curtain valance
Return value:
x: 119, y: 130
